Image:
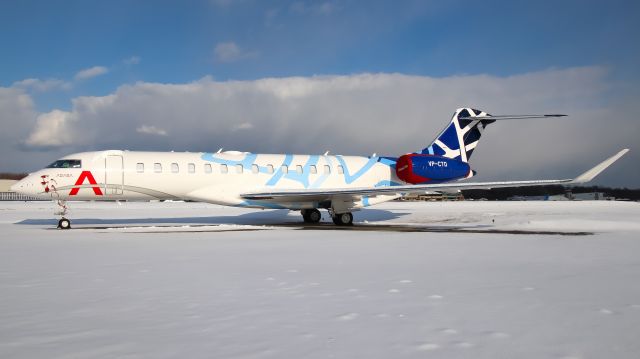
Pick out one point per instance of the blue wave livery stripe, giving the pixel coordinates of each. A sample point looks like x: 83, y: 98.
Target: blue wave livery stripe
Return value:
x: 303, y: 177
x: 279, y: 173
x: 387, y: 183
x: 349, y: 178
x: 324, y: 175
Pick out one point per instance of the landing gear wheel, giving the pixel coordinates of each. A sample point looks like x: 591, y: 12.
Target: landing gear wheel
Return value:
x: 314, y: 216
x: 311, y: 215
x: 343, y: 219
x: 64, y: 224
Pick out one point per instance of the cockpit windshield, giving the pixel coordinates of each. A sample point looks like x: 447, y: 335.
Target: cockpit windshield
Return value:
x: 66, y: 164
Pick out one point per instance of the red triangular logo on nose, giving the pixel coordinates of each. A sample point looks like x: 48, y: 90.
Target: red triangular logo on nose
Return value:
x: 86, y: 175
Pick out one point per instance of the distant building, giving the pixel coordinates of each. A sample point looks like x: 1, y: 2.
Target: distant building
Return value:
x: 558, y: 197
x: 530, y: 198
x: 592, y: 196
x: 568, y: 196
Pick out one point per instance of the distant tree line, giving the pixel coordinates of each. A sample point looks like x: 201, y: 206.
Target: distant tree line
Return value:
x: 505, y: 193
x: 12, y: 176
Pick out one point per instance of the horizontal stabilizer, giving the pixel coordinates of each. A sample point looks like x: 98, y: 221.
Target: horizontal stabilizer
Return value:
x: 510, y: 117
x: 461, y: 136
x: 592, y: 173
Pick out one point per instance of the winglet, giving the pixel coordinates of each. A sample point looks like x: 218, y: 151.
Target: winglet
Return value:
x: 592, y: 173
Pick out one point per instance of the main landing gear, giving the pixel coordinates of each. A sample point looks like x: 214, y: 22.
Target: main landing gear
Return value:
x: 340, y: 219
x: 343, y: 219
x: 311, y: 215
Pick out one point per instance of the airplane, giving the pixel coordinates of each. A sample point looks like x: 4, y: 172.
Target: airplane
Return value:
x: 339, y: 184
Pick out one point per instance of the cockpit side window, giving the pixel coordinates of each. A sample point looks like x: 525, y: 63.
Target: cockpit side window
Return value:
x: 66, y: 164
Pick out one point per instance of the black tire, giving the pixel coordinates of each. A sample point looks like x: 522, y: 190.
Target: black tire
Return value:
x: 305, y: 215
x: 311, y: 215
x: 64, y: 224
x: 314, y: 216
x: 343, y: 219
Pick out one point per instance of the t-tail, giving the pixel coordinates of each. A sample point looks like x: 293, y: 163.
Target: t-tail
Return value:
x: 447, y: 157
x: 461, y: 136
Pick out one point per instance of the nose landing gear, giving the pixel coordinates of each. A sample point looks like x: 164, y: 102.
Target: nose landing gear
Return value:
x: 64, y: 223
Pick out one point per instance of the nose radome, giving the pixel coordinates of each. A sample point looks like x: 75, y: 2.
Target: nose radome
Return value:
x: 19, y: 187
x: 16, y: 186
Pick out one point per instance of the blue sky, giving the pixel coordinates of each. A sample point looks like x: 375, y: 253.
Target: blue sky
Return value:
x: 175, y: 41
x: 56, y: 53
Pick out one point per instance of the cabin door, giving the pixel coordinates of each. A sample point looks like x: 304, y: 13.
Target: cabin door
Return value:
x: 114, y: 175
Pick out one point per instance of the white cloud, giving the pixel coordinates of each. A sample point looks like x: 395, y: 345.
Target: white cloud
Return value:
x: 151, y: 130
x: 91, y: 72
x: 133, y: 60
x: 389, y: 114
x: 53, y: 129
x: 230, y: 52
x: 243, y: 126
x: 39, y: 85
x: 17, y: 119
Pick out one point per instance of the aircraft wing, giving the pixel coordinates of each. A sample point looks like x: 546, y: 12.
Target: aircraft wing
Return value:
x: 295, y: 195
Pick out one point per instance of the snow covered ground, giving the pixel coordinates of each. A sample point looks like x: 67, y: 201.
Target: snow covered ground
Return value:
x: 190, y: 280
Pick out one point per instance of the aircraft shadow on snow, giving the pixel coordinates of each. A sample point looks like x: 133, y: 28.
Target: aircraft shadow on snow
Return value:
x: 267, y: 217
x: 281, y: 218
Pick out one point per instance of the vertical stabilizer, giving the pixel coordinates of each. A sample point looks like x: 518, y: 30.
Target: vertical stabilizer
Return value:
x: 461, y: 136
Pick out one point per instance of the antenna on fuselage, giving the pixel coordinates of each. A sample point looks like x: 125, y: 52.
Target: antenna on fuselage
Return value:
x: 220, y: 150
x: 326, y: 153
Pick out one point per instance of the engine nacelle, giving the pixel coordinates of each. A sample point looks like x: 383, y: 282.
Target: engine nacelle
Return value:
x: 417, y: 168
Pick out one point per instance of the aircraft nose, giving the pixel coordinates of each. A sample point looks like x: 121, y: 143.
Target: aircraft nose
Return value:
x: 19, y: 186
x: 25, y: 186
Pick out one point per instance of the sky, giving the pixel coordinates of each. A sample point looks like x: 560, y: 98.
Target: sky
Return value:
x: 352, y: 77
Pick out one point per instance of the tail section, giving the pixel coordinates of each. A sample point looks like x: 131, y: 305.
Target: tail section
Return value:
x: 461, y: 136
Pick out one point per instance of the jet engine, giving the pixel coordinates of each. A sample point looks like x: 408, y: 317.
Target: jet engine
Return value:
x: 417, y: 168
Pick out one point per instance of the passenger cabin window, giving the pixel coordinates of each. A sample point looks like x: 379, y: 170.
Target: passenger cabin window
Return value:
x: 157, y: 167
x: 299, y: 169
x: 340, y: 169
x: 284, y: 169
x: 312, y: 169
x: 191, y: 168
x: 327, y: 169
x: 207, y: 168
x: 175, y: 168
x: 224, y: 169
x: 239, y: 168
x: 270, y: 168
x: 255, y: 169
x: 140, y: 167
x: 66, y: 164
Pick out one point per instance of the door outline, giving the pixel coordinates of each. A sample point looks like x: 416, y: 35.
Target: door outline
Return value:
x: 114, y: 175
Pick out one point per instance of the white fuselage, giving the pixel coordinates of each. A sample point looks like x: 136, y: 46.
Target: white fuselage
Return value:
x: 218, y: 178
